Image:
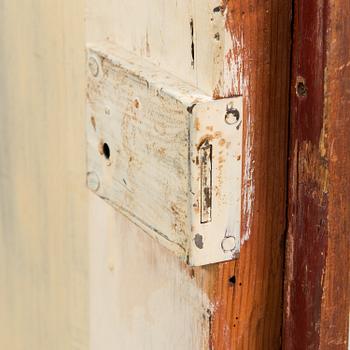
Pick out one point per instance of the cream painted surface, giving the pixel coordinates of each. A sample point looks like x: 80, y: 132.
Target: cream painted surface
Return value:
x: 160, y: 30
x: 43, y: 203
x: 141, y: 296
x: 73, y: 273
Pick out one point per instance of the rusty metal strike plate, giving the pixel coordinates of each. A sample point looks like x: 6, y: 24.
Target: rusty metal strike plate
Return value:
x: 165, y: 154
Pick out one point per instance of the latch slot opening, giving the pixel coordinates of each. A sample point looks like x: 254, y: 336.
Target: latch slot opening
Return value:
x: 205, y: 156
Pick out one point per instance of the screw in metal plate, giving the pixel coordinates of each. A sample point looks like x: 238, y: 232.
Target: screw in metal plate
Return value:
x: 232, y: 115
x: 93, y: 181
x: 93, y: 66
x: 228, y: 244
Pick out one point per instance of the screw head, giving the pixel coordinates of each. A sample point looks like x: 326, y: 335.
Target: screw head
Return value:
x: 92, y: 181
x: 93, y: 66
x: 232, y: 116
x: 228, y: 244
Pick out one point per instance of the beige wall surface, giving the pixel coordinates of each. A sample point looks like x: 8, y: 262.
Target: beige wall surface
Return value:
x: 43, y: 202
x: 74, y: 274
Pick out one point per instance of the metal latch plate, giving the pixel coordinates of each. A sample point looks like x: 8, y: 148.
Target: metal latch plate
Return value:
x: 165, y: 154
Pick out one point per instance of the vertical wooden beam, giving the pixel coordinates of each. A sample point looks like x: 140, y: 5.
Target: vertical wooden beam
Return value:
x: 247, y: 293
x: 336, y: 296
x: 317, y: 268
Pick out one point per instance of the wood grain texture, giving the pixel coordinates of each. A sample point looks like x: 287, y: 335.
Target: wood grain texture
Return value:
x: 247, y: 293
x: 317, y: 271
x: 334, y: 330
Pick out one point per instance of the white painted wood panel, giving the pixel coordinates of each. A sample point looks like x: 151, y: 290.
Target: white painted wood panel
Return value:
x: 185, y: 37
x: 73, y: 273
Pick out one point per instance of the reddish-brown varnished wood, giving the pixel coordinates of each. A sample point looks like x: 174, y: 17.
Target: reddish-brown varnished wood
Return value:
x: 316, y: 307
x: 247, y: 293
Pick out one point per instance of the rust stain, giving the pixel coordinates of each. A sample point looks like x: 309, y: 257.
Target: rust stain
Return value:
x: 100, y: 147
x: 174, y: 209
x: 217, y: 134
x: 209, y: 137
x: 136, y: 103
x: 222, y: 142
x: 161, y: 151
x: 203, y: 139
x: 197, y: 124
x: 216, y: 92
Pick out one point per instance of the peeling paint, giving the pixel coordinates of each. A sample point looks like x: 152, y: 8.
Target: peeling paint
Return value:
x: 248, y: 184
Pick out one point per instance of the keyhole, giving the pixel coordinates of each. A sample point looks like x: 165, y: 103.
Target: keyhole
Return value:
x: 106, y: 151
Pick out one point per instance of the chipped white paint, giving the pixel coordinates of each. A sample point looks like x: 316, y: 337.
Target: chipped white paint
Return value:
x: 248, y: 184
x: 233, y: 65
x: 145, y: 132
x: 160, y: 31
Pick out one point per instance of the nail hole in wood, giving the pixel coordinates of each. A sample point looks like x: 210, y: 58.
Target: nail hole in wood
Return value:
x: 232, y: 280
x: 301, y: 89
